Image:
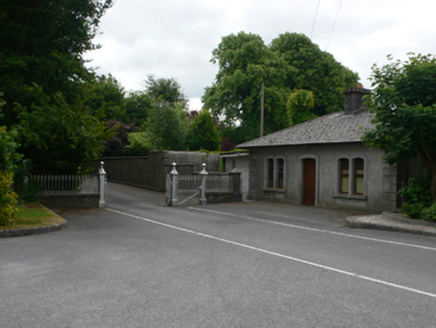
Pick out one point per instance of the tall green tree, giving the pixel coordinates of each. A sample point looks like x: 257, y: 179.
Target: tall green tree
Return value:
x: 300, y: 104
x: 166, y: 128
x: 245, y: 63
x: 167, y: 122
x: 203, y: 133
x: 404, y: 102
x: 316, y: 71
x: 105, y: 98
x: 291, y: 62
x: 58, y: 138
x: 137, y: 106
x: 42, y: 70
x: 165, y: 90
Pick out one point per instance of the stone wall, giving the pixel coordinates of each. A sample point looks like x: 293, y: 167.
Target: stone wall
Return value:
x: 69, y: 201
x: 150, y: 171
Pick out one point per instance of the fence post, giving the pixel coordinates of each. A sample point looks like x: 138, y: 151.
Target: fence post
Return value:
x: 102, y: 174
x: 203, y: 174
x: 174, y: 181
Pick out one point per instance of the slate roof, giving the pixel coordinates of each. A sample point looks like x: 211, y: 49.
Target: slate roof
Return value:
x: 332, y: 128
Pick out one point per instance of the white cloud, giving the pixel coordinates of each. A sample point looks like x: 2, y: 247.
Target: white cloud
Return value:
x: 175, y: 39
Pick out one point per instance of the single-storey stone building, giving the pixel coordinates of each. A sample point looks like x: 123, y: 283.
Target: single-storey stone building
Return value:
x: 323, y: 162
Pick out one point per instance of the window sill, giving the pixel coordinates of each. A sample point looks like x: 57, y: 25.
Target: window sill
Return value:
x: 277, y: 190
x: 351, y: 197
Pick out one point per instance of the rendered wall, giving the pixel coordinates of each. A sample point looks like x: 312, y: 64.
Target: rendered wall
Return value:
x: 381, y: 180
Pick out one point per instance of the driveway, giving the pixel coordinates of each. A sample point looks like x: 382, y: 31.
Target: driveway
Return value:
x: 139, y: 263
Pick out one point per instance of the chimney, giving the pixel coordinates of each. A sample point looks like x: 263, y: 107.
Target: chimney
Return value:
x: 354, y: 103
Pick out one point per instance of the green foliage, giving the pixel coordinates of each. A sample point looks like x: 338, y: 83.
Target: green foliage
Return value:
x: 137, y: 106
x: 413, y: 210
x: 8, y: 199
x: 404, y: 102
x: 418, y: 190
x: 139, y: 143
x: 165, y: 90
x: 416, y: 196
x: 300, y: 104
x: 244, y: 64
x: 203, y: 133
x: 105, y: 99
x: 314, y: 70
x: 291, y: 62
x: 58, y: 138
x: 8, y: 155
x: 429, y: 213
x: 42, y: 77
x: 167, y: 123
x: 166, y: 129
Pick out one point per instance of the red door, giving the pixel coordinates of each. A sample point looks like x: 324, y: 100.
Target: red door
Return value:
x: 309, y: 181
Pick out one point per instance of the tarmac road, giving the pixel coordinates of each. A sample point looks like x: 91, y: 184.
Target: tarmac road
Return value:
x: 139, y: 263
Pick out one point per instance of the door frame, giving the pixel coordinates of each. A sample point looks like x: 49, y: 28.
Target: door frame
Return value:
x: 300, y: 161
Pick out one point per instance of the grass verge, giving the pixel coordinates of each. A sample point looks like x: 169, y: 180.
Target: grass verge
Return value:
x: 31, y: 216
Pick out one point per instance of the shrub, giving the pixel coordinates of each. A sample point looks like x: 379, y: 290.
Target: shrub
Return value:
x: 416, y: 196
x: 429, y: 214
x: 8, y: 199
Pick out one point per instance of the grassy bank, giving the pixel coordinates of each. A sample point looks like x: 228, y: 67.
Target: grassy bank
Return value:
x: 31, y: 216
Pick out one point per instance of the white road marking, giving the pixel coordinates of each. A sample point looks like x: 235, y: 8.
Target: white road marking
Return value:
x: 313, y: 229
x: 382, y: 282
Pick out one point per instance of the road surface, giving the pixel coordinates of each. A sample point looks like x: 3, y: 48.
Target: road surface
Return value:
x: 139, y: 263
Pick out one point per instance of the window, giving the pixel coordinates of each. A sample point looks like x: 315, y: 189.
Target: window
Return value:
x: 358, y: 181
x: 351, y: 180
x: 344, y: 172
x: 275, y: 173
x: 270, y: 162
x: 280, y: 172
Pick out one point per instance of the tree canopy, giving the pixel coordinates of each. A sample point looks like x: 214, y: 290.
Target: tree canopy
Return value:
x: 42, y: 77
x: 203, y: 133
x: 291, y: 62
x: 167, y: 90
x: 404, y: 102
x: 105, y: 98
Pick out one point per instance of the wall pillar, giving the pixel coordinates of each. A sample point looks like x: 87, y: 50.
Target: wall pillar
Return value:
x: 203, y: 174
x: 174, y: 181
x: 103, y: 186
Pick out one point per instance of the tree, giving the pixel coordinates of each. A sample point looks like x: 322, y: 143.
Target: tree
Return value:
x: 166, y: 128
x: 137, y: 106
x: 42, y: 74
x: 105, y: 98
x: 203, y: 134
x: 300, y: 104
x: 316, y: 71
x: 59, y: 138
x: 291, y: 62
x: 167, y: 122
x: 245, y: 62
x: 404, y: 103
x: 168, y: 90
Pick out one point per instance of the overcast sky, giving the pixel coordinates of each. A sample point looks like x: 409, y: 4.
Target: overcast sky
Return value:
x: 175, y: 38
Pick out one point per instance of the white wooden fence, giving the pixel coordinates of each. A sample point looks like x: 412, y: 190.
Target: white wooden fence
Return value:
x: 72, y: 184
